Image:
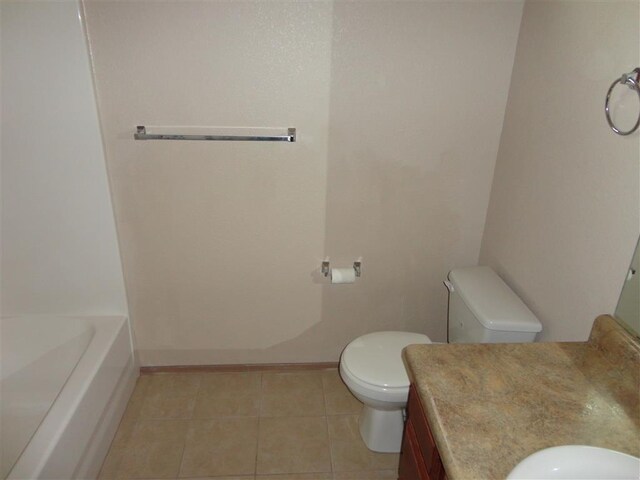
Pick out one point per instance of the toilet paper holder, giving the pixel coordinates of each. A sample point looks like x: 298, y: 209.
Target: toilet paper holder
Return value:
x: 325, y: 268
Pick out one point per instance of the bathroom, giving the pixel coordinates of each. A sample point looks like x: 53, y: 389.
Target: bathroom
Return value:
x: 430, y: 135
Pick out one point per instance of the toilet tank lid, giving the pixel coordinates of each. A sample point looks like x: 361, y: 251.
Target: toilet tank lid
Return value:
x: 491, y: 300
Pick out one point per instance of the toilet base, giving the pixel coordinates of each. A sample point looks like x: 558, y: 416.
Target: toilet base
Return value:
x: 381, y: 430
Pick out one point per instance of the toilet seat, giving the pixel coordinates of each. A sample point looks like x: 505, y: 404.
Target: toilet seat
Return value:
x: 372, y: 366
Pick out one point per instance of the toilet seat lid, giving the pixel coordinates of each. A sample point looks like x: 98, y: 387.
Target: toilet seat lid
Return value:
x: 376, y: 358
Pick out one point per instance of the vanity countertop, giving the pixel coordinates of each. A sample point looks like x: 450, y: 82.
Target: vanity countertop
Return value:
x: 492, y: 405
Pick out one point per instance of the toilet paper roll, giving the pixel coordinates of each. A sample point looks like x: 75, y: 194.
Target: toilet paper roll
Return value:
x: 343, y: 275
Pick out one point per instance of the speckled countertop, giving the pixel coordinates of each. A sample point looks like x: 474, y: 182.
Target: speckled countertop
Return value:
x: 492, y: 405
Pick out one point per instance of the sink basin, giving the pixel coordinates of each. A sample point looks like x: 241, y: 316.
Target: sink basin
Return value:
x: 577, y: 462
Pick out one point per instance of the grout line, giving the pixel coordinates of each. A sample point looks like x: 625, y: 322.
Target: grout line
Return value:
x: 243, y: 367
x: 184, y: 447
x: 125, y: 441
x: 255, y: 465
x: 189, y: 423
x: 326, y: 421
x: 324, y: 397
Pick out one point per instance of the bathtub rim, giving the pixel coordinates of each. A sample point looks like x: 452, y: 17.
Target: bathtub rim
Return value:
x: 38, y: 456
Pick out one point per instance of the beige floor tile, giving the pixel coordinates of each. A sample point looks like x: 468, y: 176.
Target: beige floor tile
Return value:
x: 348, y: 451
x: 368, y: 475
x: 172, y: 384
x: 228, y: 394
x: 137, y: 398
x: 170, y: 395
x: 220, y: 446
x: 168, y: 407
x: 292, y: 394
x: 154, y: 449
x: 293, y: 445
x: 337, y: 397
x: 109, y: 469
x: 235, y: 477
x: 228, y: 441
x: 297, y: 476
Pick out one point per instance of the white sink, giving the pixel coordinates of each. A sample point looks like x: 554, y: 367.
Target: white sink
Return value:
x: 577, y: 462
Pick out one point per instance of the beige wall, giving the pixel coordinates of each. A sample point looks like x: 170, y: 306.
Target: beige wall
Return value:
x: 219, y: 239
x: 399, y: 108
x: 418, y: 91
x: 564, y: 210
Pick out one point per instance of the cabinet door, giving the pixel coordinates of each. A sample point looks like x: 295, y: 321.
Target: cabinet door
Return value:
x: 426, y: 442
x: 411, y: 466
x: 419, y: 437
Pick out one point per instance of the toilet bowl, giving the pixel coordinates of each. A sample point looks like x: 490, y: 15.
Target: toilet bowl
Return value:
x: 482, y: 309
x: 371, y: 366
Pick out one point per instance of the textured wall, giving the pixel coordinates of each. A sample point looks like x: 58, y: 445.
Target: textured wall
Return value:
x: 565, y: 204
x: 59, y: 245
x: 399, y: 108
x: 418, y: 92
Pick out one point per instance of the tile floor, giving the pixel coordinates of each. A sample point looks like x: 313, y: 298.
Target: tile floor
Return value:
x: 243, y: 426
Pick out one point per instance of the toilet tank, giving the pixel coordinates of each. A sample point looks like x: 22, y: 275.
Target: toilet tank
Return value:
x: 483, y: 309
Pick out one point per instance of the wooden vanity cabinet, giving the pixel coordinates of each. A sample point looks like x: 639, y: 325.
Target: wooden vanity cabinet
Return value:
x: 419, y: 457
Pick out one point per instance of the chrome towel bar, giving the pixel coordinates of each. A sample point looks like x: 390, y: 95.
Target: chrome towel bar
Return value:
x: 141, y: 134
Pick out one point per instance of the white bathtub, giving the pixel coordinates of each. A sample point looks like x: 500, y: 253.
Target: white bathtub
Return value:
x: 64, y: 384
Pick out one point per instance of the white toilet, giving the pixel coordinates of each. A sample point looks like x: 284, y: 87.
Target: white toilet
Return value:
x: 482, y: 309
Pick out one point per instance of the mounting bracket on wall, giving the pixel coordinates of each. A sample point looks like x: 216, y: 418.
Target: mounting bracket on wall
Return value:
x: 325, y: 267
